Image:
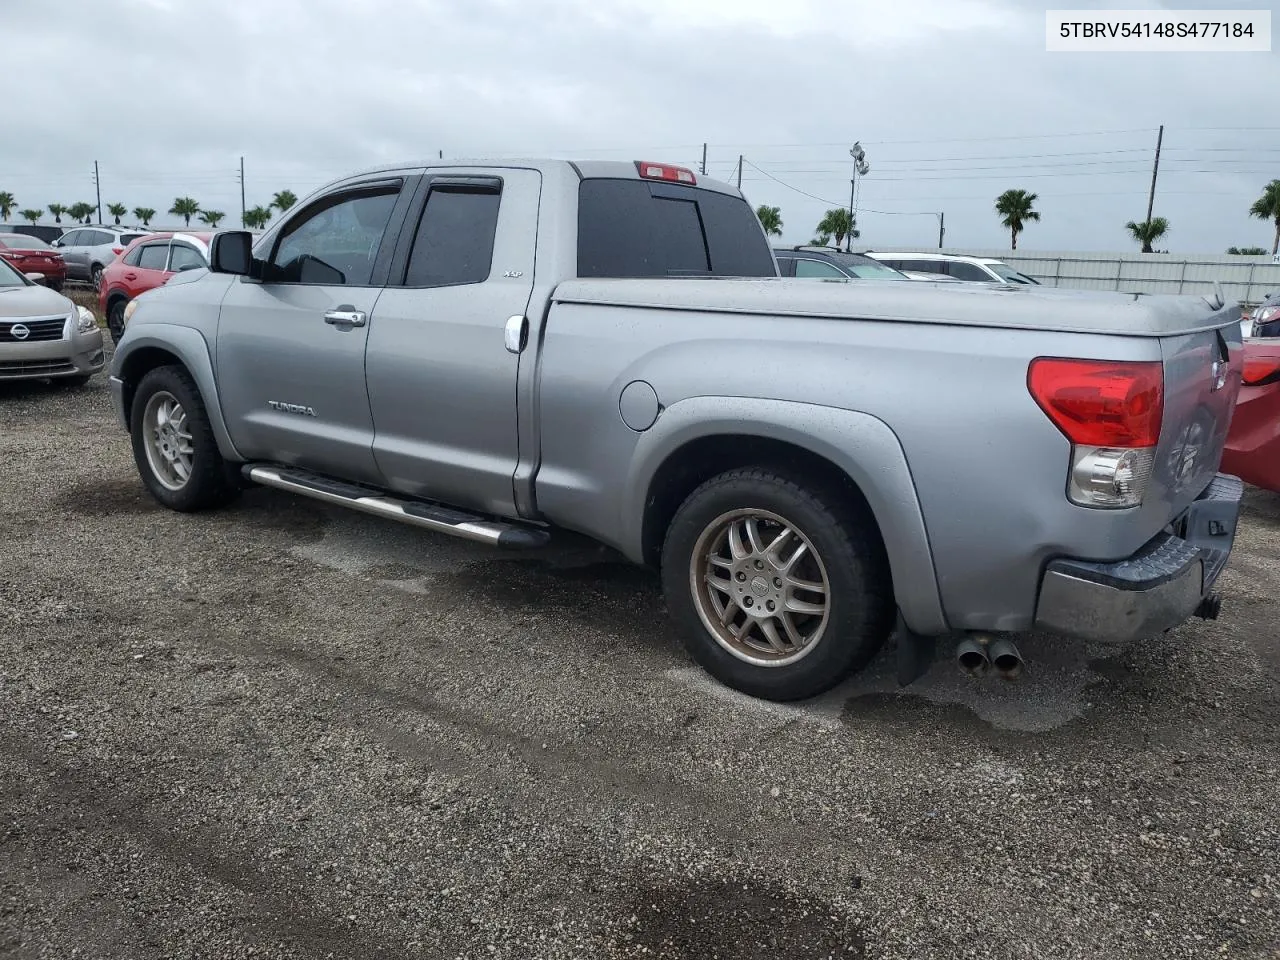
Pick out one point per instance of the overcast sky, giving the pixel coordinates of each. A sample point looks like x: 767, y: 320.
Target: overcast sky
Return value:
x: 953, y: 100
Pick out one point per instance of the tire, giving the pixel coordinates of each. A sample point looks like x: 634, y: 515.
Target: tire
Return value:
x: 115, y: 319
x: 857, y: 603
x: 55, y: 286
x: 95, y: 276
x: 209, y: 481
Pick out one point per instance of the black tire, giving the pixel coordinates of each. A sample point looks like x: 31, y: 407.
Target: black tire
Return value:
x: 115, y: 319
x: 95, y: 276
x: 55, y: 286
x: 860, y: 608
x: 212, y: 482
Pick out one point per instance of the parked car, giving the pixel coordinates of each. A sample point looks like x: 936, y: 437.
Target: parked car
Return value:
x: 88, y: 250
x: 43, y: 335
x: 31, y: 255
x: 829, y: 263
x: 1253, y: 444
x: 1265, y: 320
x: 974, y: 269
x: 147, y: 262
x: 496, y: 350
x: 47, y: 232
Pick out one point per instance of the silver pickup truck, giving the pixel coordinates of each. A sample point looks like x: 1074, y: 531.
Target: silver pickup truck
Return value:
x: 495, y: 350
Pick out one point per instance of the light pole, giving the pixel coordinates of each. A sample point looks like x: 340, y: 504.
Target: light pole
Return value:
x: 860, y: 166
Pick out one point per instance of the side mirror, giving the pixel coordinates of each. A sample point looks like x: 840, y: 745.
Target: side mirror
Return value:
x: 231, y: 252
x: 35, y: 277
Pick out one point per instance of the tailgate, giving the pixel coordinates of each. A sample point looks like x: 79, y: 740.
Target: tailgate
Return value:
x: 1201, y: 381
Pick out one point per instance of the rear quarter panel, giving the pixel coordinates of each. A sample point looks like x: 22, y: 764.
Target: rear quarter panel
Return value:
x: 987, y: 465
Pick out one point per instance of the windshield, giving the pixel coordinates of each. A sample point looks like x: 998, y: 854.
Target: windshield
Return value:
x: 10, y: 277
x: 864, y: 268
x: 1010, y: 275
x: 20, y: 241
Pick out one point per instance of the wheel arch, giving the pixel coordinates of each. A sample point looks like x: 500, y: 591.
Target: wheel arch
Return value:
x: 841, y: 451
x: 163, y: 345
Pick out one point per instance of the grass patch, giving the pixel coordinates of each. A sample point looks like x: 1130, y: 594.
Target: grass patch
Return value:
x: 85, y: 297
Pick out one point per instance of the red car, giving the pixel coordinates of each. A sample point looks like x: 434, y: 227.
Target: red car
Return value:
x: 145, y: 264
x: 1253, y: 442
x: 32, y: 255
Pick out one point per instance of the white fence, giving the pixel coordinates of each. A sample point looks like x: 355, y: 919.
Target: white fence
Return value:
x: 1246, y: 279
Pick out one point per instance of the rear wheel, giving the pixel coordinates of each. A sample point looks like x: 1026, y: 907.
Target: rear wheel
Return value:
x: 95, y: 276
x: 115, y: 318
x: 173, y: 444
x: 781, y: 591
x: 55, y: 286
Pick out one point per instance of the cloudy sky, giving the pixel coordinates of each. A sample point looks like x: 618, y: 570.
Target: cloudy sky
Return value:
x: 953, y: 100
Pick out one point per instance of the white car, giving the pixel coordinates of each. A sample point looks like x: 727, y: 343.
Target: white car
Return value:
x: 972, y: 269
x: 929, y: 277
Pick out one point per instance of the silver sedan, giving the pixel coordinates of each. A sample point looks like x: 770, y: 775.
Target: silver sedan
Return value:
x: 43, y: 335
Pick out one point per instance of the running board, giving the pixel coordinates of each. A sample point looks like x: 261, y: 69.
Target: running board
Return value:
x: 417, y: 513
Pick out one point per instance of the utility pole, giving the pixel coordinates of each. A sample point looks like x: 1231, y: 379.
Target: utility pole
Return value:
x: 1155, y: 168
x: 848, y: 243
x: 440, y: 155
x: 942, y: 229
x: 704, y: 159
x: 243, y: 209
x: 739, y: 172
x: 97, y: 185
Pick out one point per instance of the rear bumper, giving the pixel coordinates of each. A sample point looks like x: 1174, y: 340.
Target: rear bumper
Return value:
x: 1158, y: 587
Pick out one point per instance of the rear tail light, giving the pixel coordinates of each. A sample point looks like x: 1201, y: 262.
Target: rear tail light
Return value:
x: 117, y: 250
x: 1111, y: 412
x: 665, y: 171
x: 1259, y: 371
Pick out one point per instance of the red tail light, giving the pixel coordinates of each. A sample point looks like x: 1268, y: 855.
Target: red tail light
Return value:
x: 665, y: 171
x: 1260, y: 370
x: 1101, y: 403
x: 117, y: 250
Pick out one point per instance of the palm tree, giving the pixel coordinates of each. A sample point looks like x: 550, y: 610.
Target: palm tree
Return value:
x: 837, y: 223
x: 1014, y: 207
x: 80, y: 212
x: 57, y: 210
x: 255, y: 218
x: 32, y: 215
x: 1247, y: 251
x: 117, y: 210
x: 283, y: 200
x: 144, y: 215
x: 211, y: 217
x: 821, y: 240
x: 1267, y: 207
x: 1148, y: 231
x: 7, y: 203
x: 771, y: 219
x: 186, y: 208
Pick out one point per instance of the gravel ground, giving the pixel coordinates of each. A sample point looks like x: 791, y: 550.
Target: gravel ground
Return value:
x: 283, y: 730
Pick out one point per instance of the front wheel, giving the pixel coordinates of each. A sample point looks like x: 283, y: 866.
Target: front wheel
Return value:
x: 173, y: 444
x: 781, y: 591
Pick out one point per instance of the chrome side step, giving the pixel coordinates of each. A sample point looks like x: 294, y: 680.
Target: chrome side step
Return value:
x: 417, y: 513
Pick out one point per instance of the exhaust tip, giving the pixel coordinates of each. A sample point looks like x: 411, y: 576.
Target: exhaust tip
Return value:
x: 972, y: 658
x: 1006, y: 659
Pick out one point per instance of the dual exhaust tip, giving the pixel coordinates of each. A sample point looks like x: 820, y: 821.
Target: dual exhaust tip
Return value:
x: 978, y: 653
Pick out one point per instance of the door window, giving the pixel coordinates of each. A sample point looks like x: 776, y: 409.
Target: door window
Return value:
x: 454, y: 241
x: 335, y: 240
x: 152, y: 256
x: 817, y: 268
x: 71, y: 239
x: 968, y: 271
x: 182, y: 256
x: 97, y: 238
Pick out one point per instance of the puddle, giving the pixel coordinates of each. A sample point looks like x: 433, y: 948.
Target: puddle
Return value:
x: 727, y: 919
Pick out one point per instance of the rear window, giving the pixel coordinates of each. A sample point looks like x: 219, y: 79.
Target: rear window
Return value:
x: 20, y: 241
x: 128, y: 238
x: 638, y: 228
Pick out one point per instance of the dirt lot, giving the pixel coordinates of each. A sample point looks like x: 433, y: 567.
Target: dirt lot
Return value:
x: 282, y: 730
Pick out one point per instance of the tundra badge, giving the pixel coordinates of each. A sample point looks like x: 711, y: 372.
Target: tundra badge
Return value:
x: 291, y: 408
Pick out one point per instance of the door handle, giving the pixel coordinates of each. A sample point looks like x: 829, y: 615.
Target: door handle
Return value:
x: 131, y: 276
x: 346, y: 316
x: 515, y: 333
